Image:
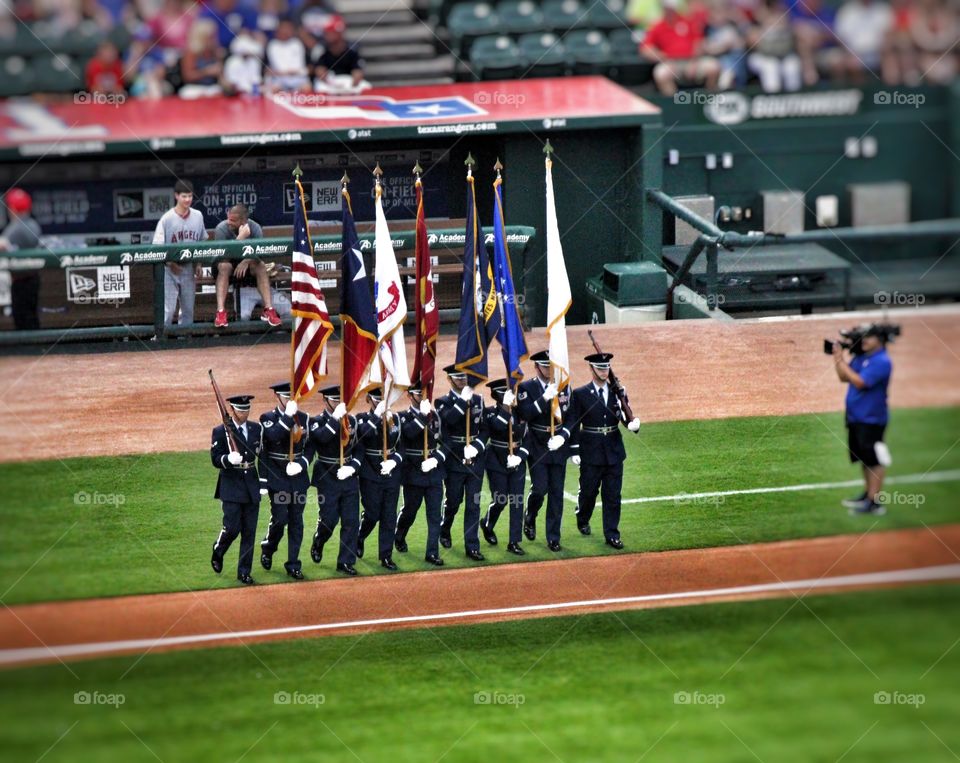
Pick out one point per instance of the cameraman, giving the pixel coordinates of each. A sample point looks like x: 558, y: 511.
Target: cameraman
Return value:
x: 868, y: 374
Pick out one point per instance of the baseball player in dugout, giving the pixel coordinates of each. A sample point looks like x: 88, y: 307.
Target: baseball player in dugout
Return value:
x: 380, y: 473
x: 284, y: 469
x: 592, y: 427
x: 333, y: 439
x: 463, y: 436
x: 506, y: 470
x: 543, y: 407
x: 234, y: 451
x: 424, y: 469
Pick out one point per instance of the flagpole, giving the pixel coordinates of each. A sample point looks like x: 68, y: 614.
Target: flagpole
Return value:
x: 499, y: 182
x: 469, y: 162
x: 418, y: 185
x: 344, y: 423
x: 297, y: 173
x: 548, y: 149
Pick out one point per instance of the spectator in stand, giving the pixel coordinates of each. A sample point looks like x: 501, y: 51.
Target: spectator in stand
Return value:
x: 202, y: 65
x: 243, y: 70
x: 311, y: 19
x: 862, y: 29
x: 239, y: 227
x: 934, y: 30
x: 336, y: 58
x: 104, y: 74
x: 287, y: 60
x: 268, y: 18
x: 813, y: 24
x: 170, y: 28
x: 230, y: 17
x: 773, y: 52
x: 675, y: 43
x: 22, y: 232
x: 725, y: 42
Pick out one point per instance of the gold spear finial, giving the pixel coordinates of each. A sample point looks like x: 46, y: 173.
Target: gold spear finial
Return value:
x: 417, y: 169
x: 345, y: 180
x: 547, y: 148
x: 297, y: 172
x: 377, y: 172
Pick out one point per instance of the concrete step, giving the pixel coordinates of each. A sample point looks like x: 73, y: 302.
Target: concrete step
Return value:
x: 391, y: 34
x: 441, y: 66
x: 398, y: 52
x: 344, y: 7
x: 413, y: 82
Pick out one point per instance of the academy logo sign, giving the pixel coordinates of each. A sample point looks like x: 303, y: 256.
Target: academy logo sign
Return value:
x: 155, y: 256
x: 264, y: 249
x: 69, y: 260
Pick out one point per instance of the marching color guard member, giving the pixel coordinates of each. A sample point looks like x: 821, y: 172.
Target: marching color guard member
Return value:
x: 234, y: 454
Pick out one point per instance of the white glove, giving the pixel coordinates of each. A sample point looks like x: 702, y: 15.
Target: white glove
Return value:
x: 634, y: 426
x: 466, y: 394
x: 513, y: 461
x: 576, y: 460
x: 555, y: 442
x: 386, y: 467
x: 428, y: 464
x: 339, y: 412
x: 293, y: 468
x: 550, y: 392
x: 345, y: 472
x: 234, y: 457
x: 425, y: 407
x: 263, y: 491
x: 470, y: 452
x: 291, y: 409
x: 509, y: 398
x: 380, y: 409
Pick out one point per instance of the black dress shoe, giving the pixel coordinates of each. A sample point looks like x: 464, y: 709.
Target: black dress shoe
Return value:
x: 488, y: 534
x: 349, y: 569
x: 445, y: 539
x: 360, y: 548
x: 316, y: 551
x: 266, y: 560
x: 475, y: 555
x: 401, y: 544
x: 295, y: 574
x: 554, y: 545
x: 245, y: 579
x: 530, y: 530
x: 514, y: 548
x: 389, y: 564
x: 216, y: 561
x: 584, y: 529
x: 615, y: 542
x: 433, y: 559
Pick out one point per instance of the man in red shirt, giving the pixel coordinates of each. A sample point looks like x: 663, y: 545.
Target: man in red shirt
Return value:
x: 104, y: 73
x: 674, y: 43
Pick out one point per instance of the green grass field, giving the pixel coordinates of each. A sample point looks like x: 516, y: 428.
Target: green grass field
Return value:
x: 69, y: 536
x: 777, y: 680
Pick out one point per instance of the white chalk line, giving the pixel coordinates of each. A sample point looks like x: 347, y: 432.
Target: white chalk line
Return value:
x: 911, y: 575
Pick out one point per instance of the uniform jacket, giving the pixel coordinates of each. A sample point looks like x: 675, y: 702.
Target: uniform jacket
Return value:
x: 452, y: 412
x: 587, y: 412
x: 536, y: 412
x: 240, y: 483
x: 370, y: 445
x: 274, y: 455
x: 497, y: 419
x: 325, y: 445
x: 412, y: 426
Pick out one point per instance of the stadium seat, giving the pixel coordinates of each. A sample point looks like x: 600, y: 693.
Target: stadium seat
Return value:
x: 520, y: 17
x: 57, y: 74
x: 608, y: 14
x: 82, y: 41
x: 588, y: 51
x: 628, y: 67
x: 562, y: 15
x: 470, y: 21
x: 24, y: 42
x: 16, y: 77
x: 495, y: 57
x: 544, y: 55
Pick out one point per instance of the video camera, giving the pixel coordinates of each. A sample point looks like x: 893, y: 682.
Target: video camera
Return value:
x: 852, y: 338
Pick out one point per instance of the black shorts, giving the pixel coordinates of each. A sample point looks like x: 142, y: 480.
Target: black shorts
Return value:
x: 861, y: 439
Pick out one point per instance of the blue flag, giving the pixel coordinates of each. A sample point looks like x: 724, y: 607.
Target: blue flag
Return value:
x: 479, y: 318
x: 511, y: 329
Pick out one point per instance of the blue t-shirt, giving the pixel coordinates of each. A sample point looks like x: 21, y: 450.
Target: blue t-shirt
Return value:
x: 869, y: 405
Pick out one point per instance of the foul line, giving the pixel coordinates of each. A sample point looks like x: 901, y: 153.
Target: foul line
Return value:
x: 917, y: 574
x: 905, y: 479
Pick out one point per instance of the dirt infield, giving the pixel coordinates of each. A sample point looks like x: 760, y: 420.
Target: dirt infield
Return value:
x: 157, y: 401
x: 73, y: 630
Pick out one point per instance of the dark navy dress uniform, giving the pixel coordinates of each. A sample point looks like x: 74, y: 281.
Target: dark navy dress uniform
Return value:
x: 506, y: 484
x: 548, y: 469
x: 339, y: 500
x: 463, y: 482
x: 288, y: 495
x: 238, y: 488
x: 592, y: 424
x: 379, y: 493
x: 419, y: 486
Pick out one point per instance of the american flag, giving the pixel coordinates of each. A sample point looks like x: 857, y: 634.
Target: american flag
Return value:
x: 311, y: 321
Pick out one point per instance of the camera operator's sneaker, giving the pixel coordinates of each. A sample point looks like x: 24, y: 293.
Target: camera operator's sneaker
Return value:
x: 855, y: 503
x: 870, y: 507
x: 270, y: 316
x: 220, y: 320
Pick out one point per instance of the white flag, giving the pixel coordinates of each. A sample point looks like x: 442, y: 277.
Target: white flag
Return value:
x: 559, y: 298
x: 391, y: 306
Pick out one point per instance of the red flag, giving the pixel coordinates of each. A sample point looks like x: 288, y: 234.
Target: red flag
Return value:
x: 425, y: 310
x: 311, y: 321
